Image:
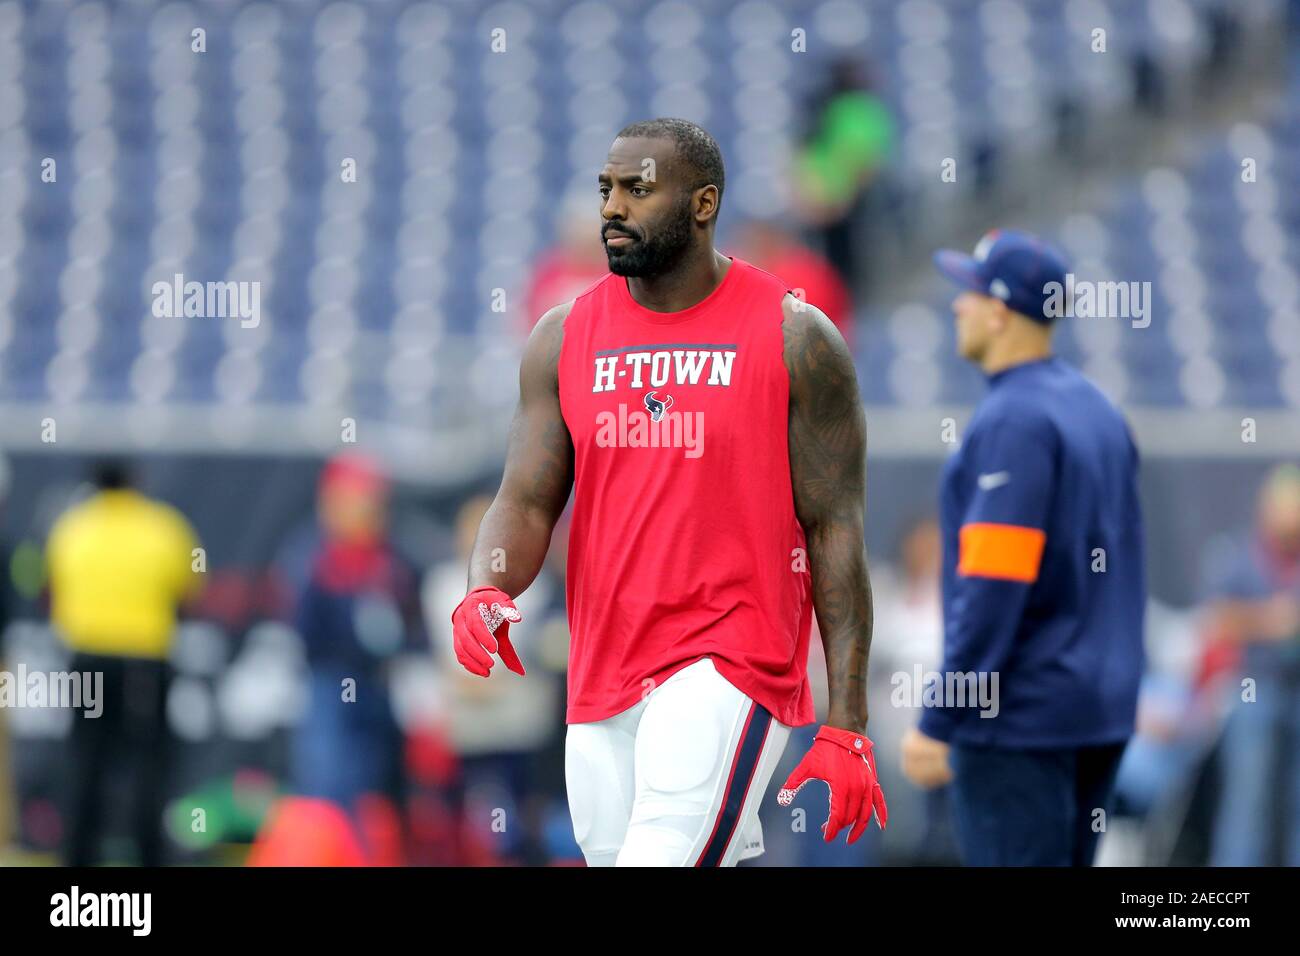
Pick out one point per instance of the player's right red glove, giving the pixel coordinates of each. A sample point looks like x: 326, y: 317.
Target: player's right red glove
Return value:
x: 844, y: 760
x: 480, y: 627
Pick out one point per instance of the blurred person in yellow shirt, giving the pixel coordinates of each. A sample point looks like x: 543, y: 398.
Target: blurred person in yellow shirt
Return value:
x: 120, y: 566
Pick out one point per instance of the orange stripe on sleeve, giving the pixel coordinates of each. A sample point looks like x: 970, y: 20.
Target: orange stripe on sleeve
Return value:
x: 1005, y: 551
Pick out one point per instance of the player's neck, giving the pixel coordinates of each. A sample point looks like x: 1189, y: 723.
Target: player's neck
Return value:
x: 683, y: 287
x: 1011, y: 354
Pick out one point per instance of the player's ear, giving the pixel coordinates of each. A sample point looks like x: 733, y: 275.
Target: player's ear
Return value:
x: 705, y: 203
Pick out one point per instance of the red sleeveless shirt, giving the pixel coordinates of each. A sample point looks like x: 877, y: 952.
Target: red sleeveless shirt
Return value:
x: 684, y: 542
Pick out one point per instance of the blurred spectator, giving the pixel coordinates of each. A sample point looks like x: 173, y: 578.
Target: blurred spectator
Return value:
x: 907, y: 634
x: 766, y: 244
x: 1177, y: 723
x: 498, y: 726
x: 357, y: 611
x: 120, y: 564
x: 1254, y: 602
x: 573, y: 263
x: 847, y: 142
x: 907, y: 644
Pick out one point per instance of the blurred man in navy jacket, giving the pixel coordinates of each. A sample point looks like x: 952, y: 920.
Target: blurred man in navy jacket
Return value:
x: 1044, y: 585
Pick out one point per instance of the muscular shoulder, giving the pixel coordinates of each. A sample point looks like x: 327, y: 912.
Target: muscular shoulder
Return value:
x: 542, y: 352
x: 550, y: 326
x: 815, y: 353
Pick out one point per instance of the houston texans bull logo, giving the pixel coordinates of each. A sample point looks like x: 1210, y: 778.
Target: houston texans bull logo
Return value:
x: 655, y: 407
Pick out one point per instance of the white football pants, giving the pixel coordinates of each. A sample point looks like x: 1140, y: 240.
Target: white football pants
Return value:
x: 676, y: 779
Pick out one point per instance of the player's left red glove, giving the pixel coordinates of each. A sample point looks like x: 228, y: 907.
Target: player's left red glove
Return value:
x: 843, y: 759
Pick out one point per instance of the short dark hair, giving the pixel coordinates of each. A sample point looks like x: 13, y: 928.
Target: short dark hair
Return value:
x: 693, y: 145
x: 111, y: 474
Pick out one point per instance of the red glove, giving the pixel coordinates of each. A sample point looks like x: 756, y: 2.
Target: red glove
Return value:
x: 480, y: 627
x: 842, y: 758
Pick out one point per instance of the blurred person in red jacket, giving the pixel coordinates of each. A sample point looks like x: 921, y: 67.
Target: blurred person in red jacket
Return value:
x: 358, y: 610
x: 499, y: 729
x: 575, y: 261
x: 771, y: 247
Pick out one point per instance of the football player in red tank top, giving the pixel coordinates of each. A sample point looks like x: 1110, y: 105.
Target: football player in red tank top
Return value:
x: 692, y: 575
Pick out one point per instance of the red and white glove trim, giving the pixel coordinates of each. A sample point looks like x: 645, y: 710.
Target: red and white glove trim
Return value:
x: 480, y: 627
x: 843, y: 760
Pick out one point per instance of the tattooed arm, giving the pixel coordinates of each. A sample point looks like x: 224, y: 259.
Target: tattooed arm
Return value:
x: 828, y: 440
x: 538, y: 473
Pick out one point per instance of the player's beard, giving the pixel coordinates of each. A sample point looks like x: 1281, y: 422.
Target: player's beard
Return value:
x: 646, y: 257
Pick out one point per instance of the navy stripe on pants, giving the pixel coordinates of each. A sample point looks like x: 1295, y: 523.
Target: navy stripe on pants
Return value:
x: 747, y: 754
x: 1030, y: 807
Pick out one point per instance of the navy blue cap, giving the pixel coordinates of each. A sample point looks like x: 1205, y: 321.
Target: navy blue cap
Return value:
x: 1012, y: 266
